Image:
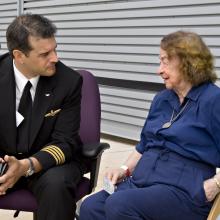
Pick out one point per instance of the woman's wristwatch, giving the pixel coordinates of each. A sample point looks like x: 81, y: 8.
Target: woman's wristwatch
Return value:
x: 126, y: 169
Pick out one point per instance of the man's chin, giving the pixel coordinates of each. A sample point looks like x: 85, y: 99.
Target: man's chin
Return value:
x: 50, y: 72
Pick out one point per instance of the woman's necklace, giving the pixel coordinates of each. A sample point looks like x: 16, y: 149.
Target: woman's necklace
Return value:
x: 172, y: 119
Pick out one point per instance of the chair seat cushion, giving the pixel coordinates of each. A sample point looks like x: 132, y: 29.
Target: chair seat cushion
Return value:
x: 23, y: 199
x: 20, y: 199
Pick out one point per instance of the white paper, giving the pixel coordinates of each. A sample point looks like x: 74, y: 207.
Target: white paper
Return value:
x: 108, y: 185
x: 19, y: 118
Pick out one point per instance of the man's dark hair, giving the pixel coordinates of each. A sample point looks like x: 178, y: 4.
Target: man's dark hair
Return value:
x: 27, y: 25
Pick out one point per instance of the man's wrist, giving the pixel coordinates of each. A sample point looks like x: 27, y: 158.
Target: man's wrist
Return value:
x: 27, y: 167
x: 24, y: 166
x: 31, y: 169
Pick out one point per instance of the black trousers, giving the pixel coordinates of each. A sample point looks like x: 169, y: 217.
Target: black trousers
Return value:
x: 54, y: 190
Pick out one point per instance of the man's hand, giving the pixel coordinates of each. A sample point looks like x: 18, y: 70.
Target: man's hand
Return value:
x: 211, y: 189
x: 16, y: 169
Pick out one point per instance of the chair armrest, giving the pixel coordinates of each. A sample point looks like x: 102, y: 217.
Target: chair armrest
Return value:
x: 215, y: 210
x: 93, y: 153
x: 94, y: 150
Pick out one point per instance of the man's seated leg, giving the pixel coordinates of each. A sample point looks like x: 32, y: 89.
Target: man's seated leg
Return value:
x: 55, y: 191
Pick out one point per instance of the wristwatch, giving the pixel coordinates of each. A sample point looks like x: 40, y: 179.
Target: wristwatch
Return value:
x: 30, y: 170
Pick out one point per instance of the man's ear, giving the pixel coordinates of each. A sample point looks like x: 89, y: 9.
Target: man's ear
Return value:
x: 18, y: 56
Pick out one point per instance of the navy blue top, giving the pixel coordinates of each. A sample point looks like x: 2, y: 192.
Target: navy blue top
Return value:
x: 196, y: 132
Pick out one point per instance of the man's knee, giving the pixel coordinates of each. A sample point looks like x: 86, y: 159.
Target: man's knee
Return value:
x: 50, y: 185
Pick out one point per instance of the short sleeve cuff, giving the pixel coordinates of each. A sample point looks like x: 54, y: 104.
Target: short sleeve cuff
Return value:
x: 139, y: 148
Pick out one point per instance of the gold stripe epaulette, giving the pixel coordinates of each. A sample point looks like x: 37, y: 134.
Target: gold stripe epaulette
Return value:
x: 56, y: 153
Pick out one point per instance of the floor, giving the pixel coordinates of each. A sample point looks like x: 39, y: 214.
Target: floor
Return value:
x: 113, y: 157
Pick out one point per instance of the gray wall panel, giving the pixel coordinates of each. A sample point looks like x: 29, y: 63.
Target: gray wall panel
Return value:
x: 8, y: 11
x: 119, y: 41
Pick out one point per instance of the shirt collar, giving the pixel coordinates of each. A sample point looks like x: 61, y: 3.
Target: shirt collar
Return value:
x: 21, y: 80
x: 193, y: 93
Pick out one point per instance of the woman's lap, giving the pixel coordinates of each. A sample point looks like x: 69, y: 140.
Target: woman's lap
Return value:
x: 161, y: 188
x: 157, y: 202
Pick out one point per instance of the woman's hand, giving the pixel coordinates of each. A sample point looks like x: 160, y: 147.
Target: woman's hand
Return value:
x: 115, y: 175
x: 211, y: 189
x: 118, y: 174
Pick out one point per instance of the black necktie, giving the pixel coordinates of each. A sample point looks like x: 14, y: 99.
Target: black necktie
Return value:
x: 25, y: 109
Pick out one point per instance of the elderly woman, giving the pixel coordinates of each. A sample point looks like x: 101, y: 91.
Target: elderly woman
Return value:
x: 171, y: 173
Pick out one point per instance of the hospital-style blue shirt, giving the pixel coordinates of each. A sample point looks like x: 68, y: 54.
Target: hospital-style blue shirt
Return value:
x: 195, y: 133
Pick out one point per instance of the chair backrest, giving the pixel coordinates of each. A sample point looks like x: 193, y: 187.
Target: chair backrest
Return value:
x: 90, y: 109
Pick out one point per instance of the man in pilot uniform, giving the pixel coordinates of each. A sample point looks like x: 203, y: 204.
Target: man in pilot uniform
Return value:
x: 39, y: 118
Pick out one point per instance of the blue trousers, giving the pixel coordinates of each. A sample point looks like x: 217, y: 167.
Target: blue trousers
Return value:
x: 163, y: 186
